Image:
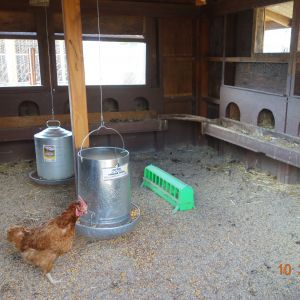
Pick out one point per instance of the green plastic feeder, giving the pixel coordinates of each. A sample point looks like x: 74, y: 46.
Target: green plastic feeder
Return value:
x: 176, y: 192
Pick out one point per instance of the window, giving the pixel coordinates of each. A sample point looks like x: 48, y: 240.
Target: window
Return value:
x: 273, y: 28
x: 277, y: 41
x: 61, y: 63
x: 120, y: 63
x: 19, y: 63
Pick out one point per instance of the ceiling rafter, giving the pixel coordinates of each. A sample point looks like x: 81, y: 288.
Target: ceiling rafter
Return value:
x: 278, y: 18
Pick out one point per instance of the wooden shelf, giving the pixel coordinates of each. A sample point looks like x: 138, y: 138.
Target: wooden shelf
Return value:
x: 26, y: 134
x: 40, y: 121
x: 185, y: 96
x: 258, y: 58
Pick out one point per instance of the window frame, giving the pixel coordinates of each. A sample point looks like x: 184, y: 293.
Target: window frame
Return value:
x: 24, y: 36
x: 259, y: 30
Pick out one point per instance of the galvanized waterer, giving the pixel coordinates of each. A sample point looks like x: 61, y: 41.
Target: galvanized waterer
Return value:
x: 104, y: 183
x: 54, y: 152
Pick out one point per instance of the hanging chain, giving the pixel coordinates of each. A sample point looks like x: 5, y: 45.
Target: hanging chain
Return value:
x: 49, y: 65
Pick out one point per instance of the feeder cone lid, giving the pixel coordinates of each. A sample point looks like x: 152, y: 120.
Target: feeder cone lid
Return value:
x: 53, y: 131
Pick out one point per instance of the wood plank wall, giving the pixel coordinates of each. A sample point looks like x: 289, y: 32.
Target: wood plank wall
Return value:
x: 169, y: 31
x: 171, y: 63
x: 178, y: 64
x: 247, y: 75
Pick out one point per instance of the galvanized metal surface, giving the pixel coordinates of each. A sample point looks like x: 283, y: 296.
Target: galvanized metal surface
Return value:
x: 54, y: 153
x: 104, y: 233
x: 104, y: 183
x: 39, y: 180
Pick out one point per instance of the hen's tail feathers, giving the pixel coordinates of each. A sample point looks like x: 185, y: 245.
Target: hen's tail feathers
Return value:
x: 15, y: 235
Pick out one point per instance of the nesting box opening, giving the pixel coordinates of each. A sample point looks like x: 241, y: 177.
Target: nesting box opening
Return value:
x: 233, y: 112
x: 266, y: 119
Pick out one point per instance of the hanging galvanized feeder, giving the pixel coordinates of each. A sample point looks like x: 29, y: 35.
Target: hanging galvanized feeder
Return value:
x: 104, y: 183
x: 54, y: 154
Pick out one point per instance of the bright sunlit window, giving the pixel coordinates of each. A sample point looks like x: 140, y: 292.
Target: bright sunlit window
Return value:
x: 19, y: 63
x: 277, y: 40
x: 119, y: 63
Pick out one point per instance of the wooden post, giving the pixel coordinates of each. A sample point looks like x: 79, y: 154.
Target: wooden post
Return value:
x: 32, y: 77
x: 202, y: 36
x: 294, y: 50
x: 77, y: 90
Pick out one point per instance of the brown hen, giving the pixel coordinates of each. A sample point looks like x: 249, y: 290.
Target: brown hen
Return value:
x: 42, y: 245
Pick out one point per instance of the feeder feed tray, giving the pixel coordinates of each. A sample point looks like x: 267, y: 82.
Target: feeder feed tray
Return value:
x: 177, y: 193
x: 40, y: 180
x: 110, y: 232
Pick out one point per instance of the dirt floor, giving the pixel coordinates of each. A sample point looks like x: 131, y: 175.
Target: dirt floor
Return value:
x: 230, y: 246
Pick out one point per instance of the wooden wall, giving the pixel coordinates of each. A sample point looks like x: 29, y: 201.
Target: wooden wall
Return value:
x: 268, y: 77
x: 249, y: 79
x: 170, y: 65
x: 170, y: 35
x: 178, y: 64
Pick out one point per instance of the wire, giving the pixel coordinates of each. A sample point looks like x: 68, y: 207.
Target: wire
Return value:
x: 49, y: 66
x: 99, y: 52
x: 102, y: 125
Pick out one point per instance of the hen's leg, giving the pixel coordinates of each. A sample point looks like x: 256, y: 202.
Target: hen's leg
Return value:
x: 48, y: 275
x: 43, y: 259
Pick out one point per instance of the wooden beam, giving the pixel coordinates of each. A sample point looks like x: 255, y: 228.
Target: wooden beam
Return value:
x: 276, y: 58
x: 77, y: 90
x: 32, y: 70
x: 113, y: 24
x: 278, y: 18
x: 232, y: 6
x: 151, y: 125
x: 93, y: 118
x: 259, y: 30
x: 116, y: 7
x: 294, y: 51
x: 202, y: 65
x: 144, y: 8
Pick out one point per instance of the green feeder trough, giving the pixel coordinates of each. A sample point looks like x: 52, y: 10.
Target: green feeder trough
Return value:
x: 176, y: 192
